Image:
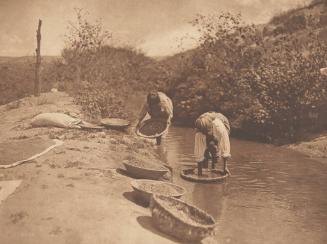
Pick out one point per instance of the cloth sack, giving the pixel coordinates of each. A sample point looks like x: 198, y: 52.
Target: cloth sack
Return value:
x: 55, y: 120
x: 323, y: 71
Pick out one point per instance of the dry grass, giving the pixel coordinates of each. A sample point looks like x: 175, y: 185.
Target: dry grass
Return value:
x: 44, y: 99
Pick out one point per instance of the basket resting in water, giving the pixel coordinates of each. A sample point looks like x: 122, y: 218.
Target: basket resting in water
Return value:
x: 152, y: 128
x: 181, y: 220
x: 208, y: 176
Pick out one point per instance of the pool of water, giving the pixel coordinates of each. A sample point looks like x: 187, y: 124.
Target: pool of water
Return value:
x: 274, y: 195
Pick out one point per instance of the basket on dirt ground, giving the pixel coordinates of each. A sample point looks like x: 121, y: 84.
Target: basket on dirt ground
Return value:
x: 145, y: 188
x: 115, y: 123
x: 89, y: 126
x: 152, y: 128
x: 181, y: 220
x: 145, y: 170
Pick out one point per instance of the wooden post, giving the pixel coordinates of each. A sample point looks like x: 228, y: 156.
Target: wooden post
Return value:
x: 37, y: 85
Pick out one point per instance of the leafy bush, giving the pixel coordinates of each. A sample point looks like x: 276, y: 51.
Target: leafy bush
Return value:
x: 268, y: 87
x: 100, y: 101
x: 111, y: 73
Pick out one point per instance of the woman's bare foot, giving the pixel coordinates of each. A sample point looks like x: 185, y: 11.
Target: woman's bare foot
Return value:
x: 226, y: 171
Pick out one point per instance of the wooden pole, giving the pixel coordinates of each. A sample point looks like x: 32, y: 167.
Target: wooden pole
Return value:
x: 37, y: 85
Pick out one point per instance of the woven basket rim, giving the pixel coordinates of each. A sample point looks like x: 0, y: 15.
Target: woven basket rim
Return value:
x: 111, y: 122
x: 203, y: 226
x: 143, y: 168
x: 203, y: 180
x: 152, y: 136
x: 136, y: 183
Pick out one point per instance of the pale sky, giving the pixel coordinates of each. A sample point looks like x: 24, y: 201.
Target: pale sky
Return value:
x: 153, y: 26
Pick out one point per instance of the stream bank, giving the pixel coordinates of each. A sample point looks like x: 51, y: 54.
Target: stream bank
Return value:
x: 72, y: 194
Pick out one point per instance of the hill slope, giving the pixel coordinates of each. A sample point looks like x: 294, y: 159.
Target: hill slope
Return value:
x: 264, y: 78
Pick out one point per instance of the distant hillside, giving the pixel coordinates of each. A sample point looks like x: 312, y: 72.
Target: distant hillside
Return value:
x: 17, y: 76
x: 311, y: 17
x: 26, y: 59
x: 265, y: 78
x: 6, y: 59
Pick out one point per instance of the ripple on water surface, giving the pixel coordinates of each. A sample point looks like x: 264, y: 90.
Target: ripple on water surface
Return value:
x: 274, y: 195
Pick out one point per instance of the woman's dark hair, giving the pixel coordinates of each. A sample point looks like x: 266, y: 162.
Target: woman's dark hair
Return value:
x: 153, y: 98
x: 202, y: 124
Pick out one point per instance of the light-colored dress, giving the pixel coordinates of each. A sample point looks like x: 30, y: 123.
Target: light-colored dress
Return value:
x: 219, y: 131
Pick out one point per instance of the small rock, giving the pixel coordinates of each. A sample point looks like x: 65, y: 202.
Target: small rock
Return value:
x: 57, y: 230
x: 17, y: 217
x: 69, y: 136
x: 62, y: 137
x: 73, y: 164
x: 102, y: 134
x: 60, y: 175
x: 74, y: 149
x: 44, y: 186
x: 52, y: 165
x: 38, y: 165
x: 48, y: 218
x: 113, y: 140
x: 53, y: 136
x: 101, y: 141
x: 59, y: 151
x: 72, y: 114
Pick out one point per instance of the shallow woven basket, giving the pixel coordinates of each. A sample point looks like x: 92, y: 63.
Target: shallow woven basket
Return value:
x: 145, y: 196
x: 191, y: 175
x: 115, y: 123
x: 146, y: 122
x: 172, y: 224
x: 152, y: 172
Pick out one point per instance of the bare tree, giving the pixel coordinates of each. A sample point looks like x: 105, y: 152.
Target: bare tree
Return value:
x: 37, y: 85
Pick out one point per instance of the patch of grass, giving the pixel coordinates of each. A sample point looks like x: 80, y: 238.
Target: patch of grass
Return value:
x: 43, y: 100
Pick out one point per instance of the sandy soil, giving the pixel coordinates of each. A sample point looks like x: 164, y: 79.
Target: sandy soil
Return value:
x: 73, y: 194
x: 314, y: 147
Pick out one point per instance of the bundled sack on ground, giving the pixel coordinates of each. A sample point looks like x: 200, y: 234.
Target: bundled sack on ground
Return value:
x: 55, y: 120
x: 323, y: 71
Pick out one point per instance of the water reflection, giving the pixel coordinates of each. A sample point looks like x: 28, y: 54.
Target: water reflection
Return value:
x: 274, y: 195
x: 210, y: 197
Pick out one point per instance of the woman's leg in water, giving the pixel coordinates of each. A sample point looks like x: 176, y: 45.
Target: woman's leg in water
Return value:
x: 225, y: 168
x: 158, y: 139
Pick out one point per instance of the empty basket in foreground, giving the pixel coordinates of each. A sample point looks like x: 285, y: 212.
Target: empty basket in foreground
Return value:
x: 181, y: 220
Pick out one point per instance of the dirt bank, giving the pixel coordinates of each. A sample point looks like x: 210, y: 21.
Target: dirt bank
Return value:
x: 313, y: 147
x: 73, y: 194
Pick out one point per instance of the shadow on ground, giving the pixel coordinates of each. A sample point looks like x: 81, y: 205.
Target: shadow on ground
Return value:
x: 124, y: 173
x: 146, y: 223
x: 131, y: 196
